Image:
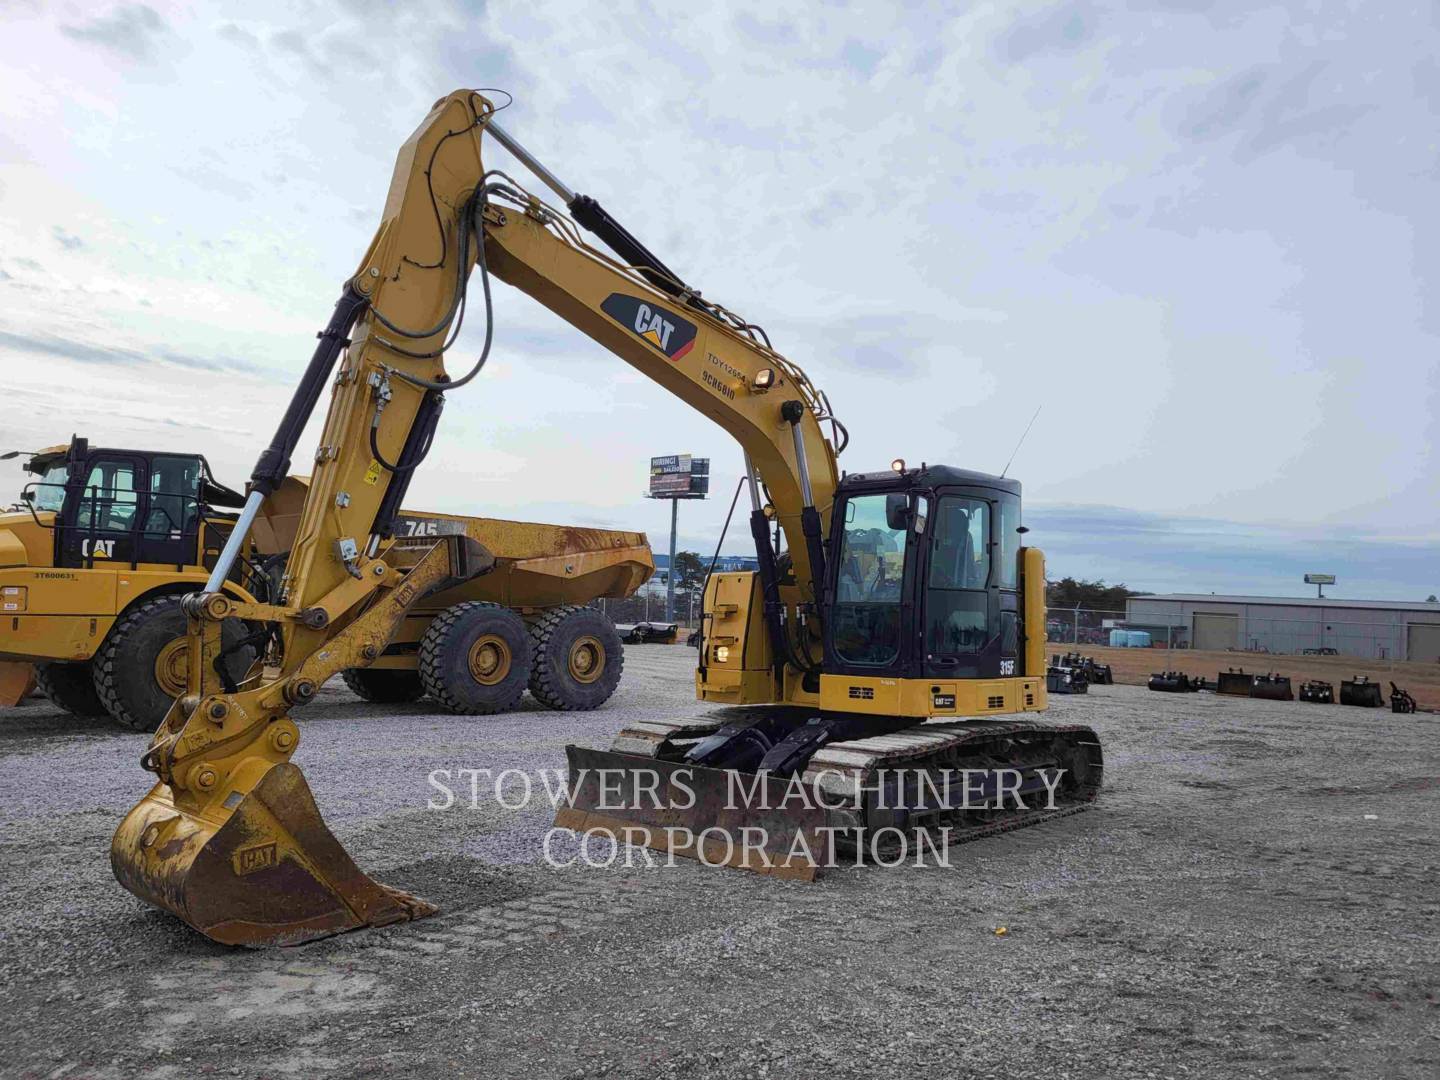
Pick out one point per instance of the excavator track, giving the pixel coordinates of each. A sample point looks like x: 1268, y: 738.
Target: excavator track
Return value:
x: 875, y: 795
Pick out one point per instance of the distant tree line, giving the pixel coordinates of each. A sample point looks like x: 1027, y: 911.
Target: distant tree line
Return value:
x: 1071, y: 593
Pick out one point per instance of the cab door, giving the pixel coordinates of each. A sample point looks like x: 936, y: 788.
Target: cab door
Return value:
x: 170, y: 511
x: 101, y: 518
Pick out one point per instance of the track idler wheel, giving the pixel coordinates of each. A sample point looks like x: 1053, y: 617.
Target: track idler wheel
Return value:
x: 259, y: 868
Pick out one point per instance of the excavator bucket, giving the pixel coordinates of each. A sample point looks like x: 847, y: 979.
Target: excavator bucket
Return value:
x: 17, y: 682
x: 1233, y: 681
x: 1272, y: 687
x: 694, y: 812
x: 1360, y: 691
x: 1170, y: 682
x: 259, y: 868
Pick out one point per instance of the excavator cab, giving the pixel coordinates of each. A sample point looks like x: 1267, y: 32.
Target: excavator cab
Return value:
x: 924, y: 576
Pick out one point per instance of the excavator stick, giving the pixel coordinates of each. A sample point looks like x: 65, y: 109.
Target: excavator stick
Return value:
x: 267, y: 873
x: 691, y: 811
x: 17, y: 682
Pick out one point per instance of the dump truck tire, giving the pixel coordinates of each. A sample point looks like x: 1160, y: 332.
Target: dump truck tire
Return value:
x: 143, y: 665
x: 70, y: 686
x: 578, y: 659
x: 475, y: 658
x: 383, y: 686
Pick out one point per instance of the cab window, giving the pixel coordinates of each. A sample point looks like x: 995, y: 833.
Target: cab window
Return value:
x: 958, y: 606
x: 1007, y: 572
x: 110, y: 500
x: 50, y: 488
x: 871, y: 569
x: 174, y: 495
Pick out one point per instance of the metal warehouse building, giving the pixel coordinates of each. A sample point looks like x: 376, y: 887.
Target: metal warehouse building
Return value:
x: 1376, y: 629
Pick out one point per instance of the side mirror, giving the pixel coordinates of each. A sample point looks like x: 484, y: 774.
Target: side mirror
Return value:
x: 27, y: 496
x: 897, y: 511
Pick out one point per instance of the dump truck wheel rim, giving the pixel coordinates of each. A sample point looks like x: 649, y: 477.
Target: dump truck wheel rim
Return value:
x: 172, y: 667
x: 489, y: 659
x: 587, y: 659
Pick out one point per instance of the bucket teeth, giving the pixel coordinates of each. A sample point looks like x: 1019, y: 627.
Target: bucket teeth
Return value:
x: 265, y: 871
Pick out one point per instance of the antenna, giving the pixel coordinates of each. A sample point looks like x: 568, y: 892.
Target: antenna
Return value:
x: 1021, y: 442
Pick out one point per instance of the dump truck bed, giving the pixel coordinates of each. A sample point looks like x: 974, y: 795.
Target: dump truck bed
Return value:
x: 537, y: 565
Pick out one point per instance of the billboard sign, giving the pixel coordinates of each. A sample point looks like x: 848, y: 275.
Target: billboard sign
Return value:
x: 679, y: 476
x: 1319, y: 579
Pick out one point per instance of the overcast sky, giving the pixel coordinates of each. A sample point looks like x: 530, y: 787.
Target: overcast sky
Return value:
x: 1202, y: 235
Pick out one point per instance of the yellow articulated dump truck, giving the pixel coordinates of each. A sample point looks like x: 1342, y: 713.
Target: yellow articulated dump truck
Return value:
x: 96, y: 555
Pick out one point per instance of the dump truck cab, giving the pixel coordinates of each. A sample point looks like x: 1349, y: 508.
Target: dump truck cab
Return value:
x: 97, y: 529
x: 112, y: 507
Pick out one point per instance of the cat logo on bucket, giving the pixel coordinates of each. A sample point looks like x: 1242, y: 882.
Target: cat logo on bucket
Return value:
x: 664, y: 330
x: 250, y: 859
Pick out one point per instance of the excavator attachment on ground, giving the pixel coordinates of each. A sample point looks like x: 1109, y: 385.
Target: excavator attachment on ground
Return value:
x: 1272, y: 686
x: 230, y: 839
x: 260, y: 869
x: 1361, y: 692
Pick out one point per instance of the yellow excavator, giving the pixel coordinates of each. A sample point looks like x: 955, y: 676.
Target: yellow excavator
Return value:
x: 895, y: 636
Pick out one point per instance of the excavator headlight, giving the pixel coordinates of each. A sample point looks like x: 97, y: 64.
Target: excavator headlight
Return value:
x: 898, y: 464
x: 764, y: 379
x: 722, y: 654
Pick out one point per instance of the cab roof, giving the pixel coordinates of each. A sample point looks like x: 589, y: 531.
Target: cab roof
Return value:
x: 931, y: 476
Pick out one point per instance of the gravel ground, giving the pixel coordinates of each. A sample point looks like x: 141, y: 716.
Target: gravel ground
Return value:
x: 1254, y: 894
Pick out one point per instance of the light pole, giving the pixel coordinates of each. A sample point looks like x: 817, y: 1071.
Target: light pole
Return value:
x: 676, y: 477
x: 670, y: 575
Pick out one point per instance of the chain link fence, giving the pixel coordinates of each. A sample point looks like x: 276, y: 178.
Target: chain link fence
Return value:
x: 1241, y: 633
x: 648, y: 605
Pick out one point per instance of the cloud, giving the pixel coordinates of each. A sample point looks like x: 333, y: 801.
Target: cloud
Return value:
x: 1270, y: 108
x: 237, y: 35
x: 130, y: 30
x: 116, y: 355
x: 1174, y: 553
x: 68, y: 241
x: 860, y: 57
x: 1111, y: 209
x: 1059, y: 30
